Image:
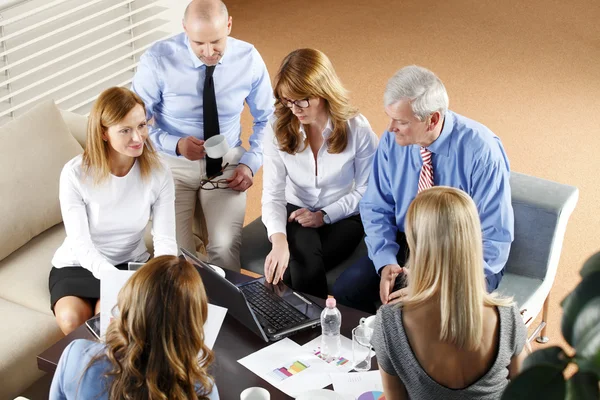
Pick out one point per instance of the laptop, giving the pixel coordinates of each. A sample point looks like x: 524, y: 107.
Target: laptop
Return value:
x: 270, y: 311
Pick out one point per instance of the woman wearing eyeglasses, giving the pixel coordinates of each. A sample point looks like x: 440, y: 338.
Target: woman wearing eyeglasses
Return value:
x: 107, y: 196
x: 154, y: 348
x: 317, y: 160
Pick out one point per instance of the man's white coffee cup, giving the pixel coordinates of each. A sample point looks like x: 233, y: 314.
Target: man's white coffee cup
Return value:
x: 255, y: 393
x: 368, y: 322
x: 216, y: 146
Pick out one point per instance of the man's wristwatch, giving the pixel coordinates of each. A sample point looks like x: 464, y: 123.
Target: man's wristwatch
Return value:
x: 326, y: 218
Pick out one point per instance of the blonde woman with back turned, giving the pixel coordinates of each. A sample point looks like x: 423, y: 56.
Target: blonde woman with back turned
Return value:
x: 107, y: 196
x: 154, y: 348
x: 447, y: 338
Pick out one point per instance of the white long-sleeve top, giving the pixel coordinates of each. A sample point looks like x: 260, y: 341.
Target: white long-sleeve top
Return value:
x: 336, y: 188
x: 105, y: 222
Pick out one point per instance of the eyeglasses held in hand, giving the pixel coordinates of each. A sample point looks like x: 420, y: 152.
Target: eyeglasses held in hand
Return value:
x: 212, y: 183
x: 304, y: 103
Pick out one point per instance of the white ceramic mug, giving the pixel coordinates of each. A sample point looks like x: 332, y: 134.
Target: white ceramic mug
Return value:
x: 216, y: 146
x: 255, y: 393
x: 368, y: 322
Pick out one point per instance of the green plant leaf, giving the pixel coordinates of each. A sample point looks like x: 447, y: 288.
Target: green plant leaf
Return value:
x: 586, y: 337
x: 591, y: 365
x: 587, y: 290
x: 583, y: 386
x: 552, y: 356
x: 538, y: 382
x: 591, y: 265
x: 586, y: 329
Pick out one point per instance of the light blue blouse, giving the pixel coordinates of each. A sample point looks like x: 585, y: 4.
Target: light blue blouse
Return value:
x: 73, y: 381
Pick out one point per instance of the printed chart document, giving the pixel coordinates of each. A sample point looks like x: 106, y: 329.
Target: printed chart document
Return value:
x: 359, y: 385
x: 111, y: 282
x: 343, y: 363
x: 296, y: 369
x: 289, y: 368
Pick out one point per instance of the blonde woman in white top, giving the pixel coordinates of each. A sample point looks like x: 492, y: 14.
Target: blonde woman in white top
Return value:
x: 107, y: 197
x: 317, y: 160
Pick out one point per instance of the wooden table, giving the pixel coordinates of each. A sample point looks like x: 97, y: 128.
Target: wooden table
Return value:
x: 235, y: 341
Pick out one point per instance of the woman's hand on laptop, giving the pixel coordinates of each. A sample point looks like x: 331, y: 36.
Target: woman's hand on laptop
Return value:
x: 277, y: 261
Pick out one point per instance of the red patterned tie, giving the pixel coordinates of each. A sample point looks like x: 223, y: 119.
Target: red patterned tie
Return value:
x: 426, y: 175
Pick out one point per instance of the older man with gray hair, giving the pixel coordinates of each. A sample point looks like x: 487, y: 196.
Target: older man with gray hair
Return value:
x: 425, y: 145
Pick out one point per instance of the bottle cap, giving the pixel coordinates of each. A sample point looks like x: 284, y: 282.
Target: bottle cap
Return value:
x: 330, y: 302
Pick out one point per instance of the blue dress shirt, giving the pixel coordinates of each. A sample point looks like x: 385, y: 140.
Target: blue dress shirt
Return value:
x: 466, y: 155
x: 170, y: 80
x: 73, y: 380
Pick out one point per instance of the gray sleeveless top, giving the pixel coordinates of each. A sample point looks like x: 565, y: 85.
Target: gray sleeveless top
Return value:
x: 396, y: 357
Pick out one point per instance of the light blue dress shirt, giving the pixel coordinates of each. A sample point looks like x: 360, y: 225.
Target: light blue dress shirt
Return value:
x: 466, y: 155
x: 73, y: 380
x: 170, y: 81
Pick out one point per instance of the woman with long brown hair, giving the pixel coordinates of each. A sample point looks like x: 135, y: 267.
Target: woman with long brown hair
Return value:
x: 317, y: 160
x: 107, y: 196
x: 154, y: 348
x: 447, y: 338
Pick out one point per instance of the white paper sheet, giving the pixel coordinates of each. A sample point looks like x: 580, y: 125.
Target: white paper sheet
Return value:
x: 289, y: 368
x: 359, y: 385
x: 212, y: 326
x: 111, y: 282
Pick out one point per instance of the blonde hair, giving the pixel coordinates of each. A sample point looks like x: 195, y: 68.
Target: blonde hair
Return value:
x: 443, y: 233
x: 110, y: 108
x: 308, y: 73
x: 156, y: 345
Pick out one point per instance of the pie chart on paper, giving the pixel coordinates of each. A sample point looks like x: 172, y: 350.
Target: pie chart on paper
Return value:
x: 371, y: 396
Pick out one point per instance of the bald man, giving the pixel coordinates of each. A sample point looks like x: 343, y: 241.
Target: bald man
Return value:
x: 194, y: 86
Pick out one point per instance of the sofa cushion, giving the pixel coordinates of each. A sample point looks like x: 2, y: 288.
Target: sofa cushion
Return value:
x: 25, y: 334
x: 77, y: 124
x: 35, y: 147
x: 24, y: 273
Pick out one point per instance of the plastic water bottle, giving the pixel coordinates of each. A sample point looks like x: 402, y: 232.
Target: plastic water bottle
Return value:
x: 331, y: 322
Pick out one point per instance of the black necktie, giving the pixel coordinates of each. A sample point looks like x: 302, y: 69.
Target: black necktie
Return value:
x: 211, y: 120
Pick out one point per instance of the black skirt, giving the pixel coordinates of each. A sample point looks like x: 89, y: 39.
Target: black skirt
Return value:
x: 74, y: 281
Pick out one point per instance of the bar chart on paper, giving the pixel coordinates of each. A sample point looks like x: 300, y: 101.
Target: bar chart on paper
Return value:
x: 282, y: 373
x: 336, y: 361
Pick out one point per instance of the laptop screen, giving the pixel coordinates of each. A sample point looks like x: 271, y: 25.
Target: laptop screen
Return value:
x: 223, y: 293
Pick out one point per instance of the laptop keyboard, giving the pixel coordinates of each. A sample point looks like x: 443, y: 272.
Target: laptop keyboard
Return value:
x: 271, y: 307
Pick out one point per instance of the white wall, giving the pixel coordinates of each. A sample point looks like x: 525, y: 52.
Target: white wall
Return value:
x: 175, y: 13
x: 8, y: 3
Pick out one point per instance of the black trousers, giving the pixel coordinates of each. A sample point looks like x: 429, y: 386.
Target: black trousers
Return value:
x: 358, y: 286
x: 314, y: 251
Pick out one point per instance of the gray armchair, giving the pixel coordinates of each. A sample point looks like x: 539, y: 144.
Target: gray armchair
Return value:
x: 542, y: 209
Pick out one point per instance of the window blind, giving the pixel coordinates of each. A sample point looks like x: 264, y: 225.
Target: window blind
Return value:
x: 71, y: 50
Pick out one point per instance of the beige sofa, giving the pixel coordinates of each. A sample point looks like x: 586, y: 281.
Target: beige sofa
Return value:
x: 33, y: 150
